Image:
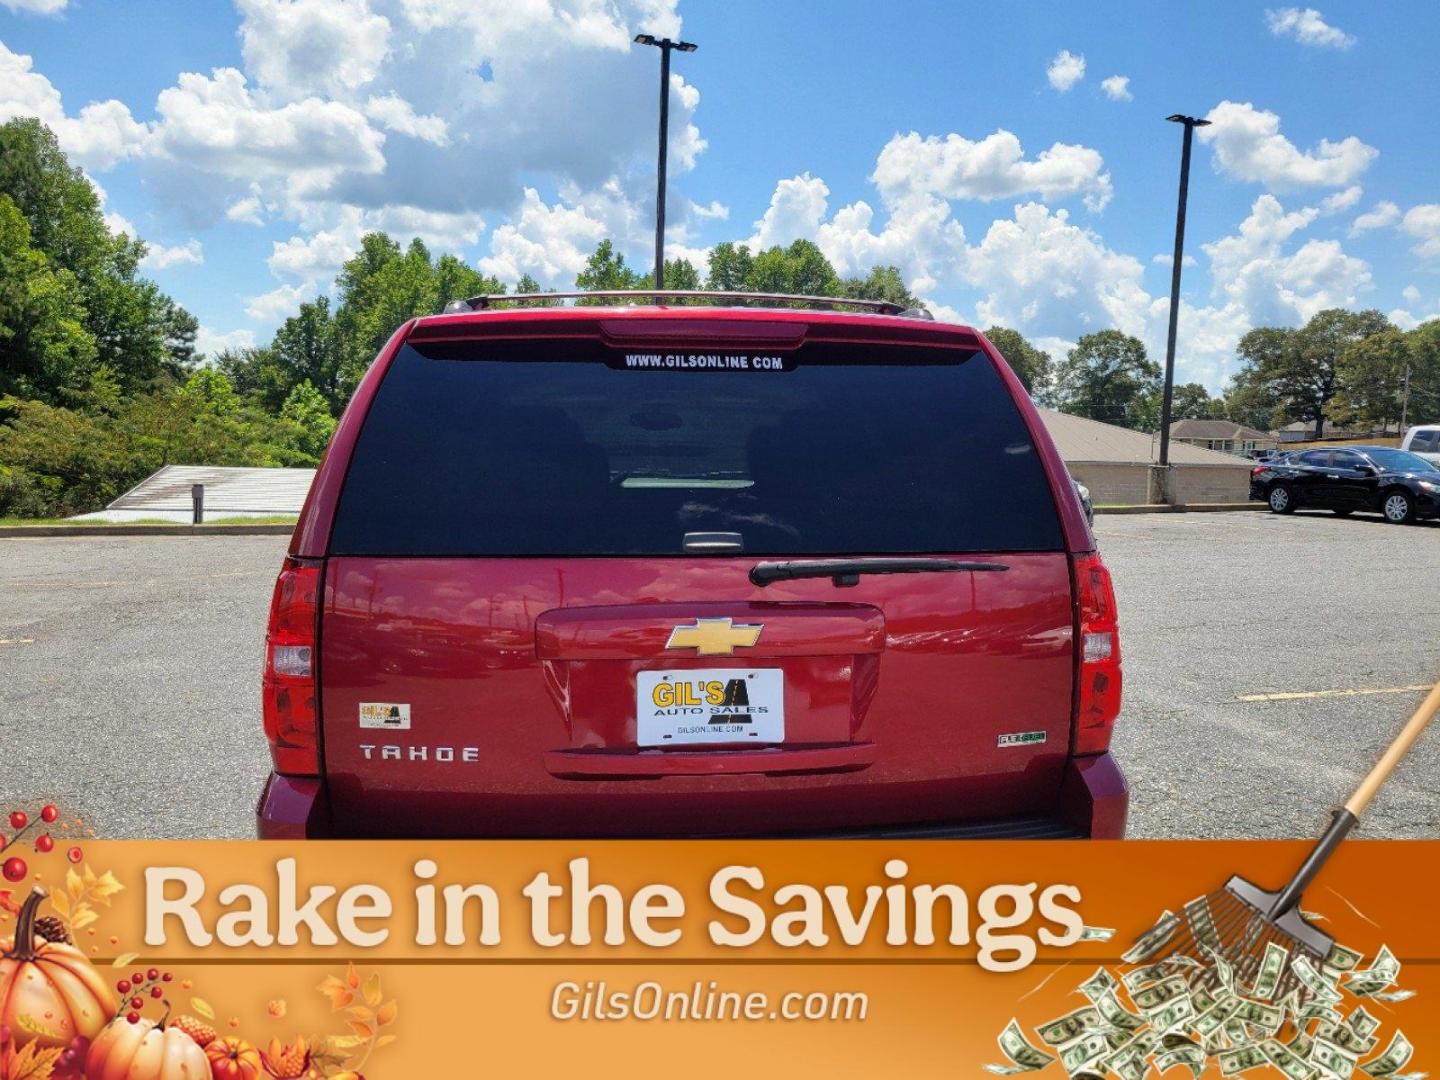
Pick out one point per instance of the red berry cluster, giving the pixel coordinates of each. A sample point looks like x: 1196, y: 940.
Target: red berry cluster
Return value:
x: 15, y: 868
x: 72, y: 1058
x: 137, y: 988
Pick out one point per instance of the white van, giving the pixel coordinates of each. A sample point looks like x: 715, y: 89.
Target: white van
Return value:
x: 1423, y: 441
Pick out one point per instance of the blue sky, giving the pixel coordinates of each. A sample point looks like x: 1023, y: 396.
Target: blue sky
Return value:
x: 1012, y: 159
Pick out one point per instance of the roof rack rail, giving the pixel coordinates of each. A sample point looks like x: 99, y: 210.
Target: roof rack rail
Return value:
x: 881, y: 307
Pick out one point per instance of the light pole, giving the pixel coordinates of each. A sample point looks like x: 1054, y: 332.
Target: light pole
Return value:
x: 1191, y: 123
x: 665, y: 45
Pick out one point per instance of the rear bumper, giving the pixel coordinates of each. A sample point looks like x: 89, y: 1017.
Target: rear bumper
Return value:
x: 292, y: 808
x: 1094, y: 803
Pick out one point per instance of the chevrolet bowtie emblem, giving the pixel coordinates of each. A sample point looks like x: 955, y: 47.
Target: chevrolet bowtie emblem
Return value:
x: 714, y: 637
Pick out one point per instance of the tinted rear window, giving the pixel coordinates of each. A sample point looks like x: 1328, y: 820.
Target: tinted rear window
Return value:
x: 556, y: 448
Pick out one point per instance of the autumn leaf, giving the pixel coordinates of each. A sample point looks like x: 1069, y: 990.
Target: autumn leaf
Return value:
x: 339, y: 994
x: 386, y: 1013
x: 352, y: 977
x: 35, y: 1027
x: 372, y: 989
x: 106, y: 887
x: 33, y: 1063
x: 360, y: 1012
x: 84, y: 915
x: 124, y: 959
x: 344, y: 1042
x: 88, y: 876
x: 59, y: 901
x: 365, y: 1031
x: 73, y: 885
x: 384, y: 1040
x: 203, y: 1007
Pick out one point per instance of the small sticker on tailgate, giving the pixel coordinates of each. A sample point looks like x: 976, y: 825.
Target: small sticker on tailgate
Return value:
x: 387, y: 716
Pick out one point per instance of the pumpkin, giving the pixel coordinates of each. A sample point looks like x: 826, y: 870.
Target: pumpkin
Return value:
x: 49, y: 984
x: 145, y: 1050
x: 233, y: 1059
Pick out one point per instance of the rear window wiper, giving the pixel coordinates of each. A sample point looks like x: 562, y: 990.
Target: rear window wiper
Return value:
x: 847, y: 572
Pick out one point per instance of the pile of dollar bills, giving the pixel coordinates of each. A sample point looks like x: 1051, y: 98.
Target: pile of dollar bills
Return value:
x: 1194, y: 1011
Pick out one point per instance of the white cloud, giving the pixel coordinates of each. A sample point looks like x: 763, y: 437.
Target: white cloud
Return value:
x: 1382, y: 216
x: 102, y: 134
x: 302, y: 47
x: 118, y: 223
x: 550, y: 243
x: 796, y: 209
x: 279, y: 303
x: 716, y: 211
x: 1341, y: 200
x: 1165, y: 258
x: 1117, y: 88
x: 398, y: 115
x: 163, y: 257
x: 1308, y: 27
x: 1065, y: 70
x: 215, y: 124
x: 248, y: 211
x: 1411, y: 294
x: 1039, y: 270
x: 36, y: 7
x: 919, y: 237
x: 992, y: 168
x: 1423, y: 223
x: 1248, y: 145
x: 1253, y: 270
x: 210, y: 342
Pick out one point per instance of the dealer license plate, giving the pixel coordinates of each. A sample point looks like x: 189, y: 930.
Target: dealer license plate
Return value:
x: 710, y: 706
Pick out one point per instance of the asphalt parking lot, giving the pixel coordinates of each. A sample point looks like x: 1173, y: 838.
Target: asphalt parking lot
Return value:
x: 129, y: 674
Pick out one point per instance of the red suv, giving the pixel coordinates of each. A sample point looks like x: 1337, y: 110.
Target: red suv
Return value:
x: 691, y: 571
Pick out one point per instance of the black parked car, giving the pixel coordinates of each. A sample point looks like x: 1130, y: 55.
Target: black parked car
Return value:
x: 1403, y: 487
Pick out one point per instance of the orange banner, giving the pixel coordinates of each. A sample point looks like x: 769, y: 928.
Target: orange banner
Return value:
x: 404, y: 959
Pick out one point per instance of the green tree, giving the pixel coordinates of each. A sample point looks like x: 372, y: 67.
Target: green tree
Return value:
x: 679, y: 274
x: 1107, y: 376
x: 729, y: 267
x: 605, y: 270
x: 43, y: 344
x: 800, y: 268
x: 1371, y: 373
x: 1423, y: 404
x: 307, y: 414
x: 454, y: 280
x: 138, y: 330
x: 528, y: 284
x: 1300, y: 368
x: 1032, y: 366
x: 1191, y: 401
x: 882, y: 283
x: 306, y: 349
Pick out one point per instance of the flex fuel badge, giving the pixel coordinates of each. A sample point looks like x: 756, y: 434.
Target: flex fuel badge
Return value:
x: 385, y: 716
x: 1021, y: 738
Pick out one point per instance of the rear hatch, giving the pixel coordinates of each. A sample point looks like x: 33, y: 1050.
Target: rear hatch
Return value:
x: 542, y: 611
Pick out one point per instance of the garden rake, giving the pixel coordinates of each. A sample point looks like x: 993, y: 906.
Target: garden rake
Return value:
x: 1236, y: 923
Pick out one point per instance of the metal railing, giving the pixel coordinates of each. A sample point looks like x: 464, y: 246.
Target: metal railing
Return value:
x: 880, y: 307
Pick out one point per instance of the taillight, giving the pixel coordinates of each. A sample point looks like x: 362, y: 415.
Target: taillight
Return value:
x: 1097, y: 703
x: 291, y: 679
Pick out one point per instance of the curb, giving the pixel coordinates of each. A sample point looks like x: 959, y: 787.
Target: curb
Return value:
x: 13, y: 531
x: 1181, y: 508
